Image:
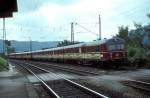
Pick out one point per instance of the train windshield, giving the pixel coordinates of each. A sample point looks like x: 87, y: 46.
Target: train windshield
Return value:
x: 116, y: 47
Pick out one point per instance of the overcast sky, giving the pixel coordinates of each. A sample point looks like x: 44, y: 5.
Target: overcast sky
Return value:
x: 49, y: 20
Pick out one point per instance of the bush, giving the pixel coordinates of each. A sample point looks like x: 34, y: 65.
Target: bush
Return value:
x: 2, y: 64
x: 140, y: 54
x: 131, y: 52
x: 137, y: 55
x: 148, y: 55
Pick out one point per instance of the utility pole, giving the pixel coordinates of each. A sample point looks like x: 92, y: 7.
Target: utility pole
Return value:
x: 30, y: 46
x: 5, y: 46
x: 4, y: 35
x: 99, y: 27
x: 72, y: 33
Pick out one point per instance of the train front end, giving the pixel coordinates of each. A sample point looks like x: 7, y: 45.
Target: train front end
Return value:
x: 115, y: 51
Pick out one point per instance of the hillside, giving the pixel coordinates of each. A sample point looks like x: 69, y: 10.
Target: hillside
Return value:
x: 21, y: 46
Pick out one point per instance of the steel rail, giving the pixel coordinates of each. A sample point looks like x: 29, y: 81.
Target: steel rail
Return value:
x: 142, y: 82
x: 68, y: 69
x: 137, y: 84
x: 50, y: 90
x: 72, y: 82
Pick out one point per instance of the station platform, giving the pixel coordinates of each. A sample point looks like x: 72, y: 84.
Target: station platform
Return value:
x: 14, y: 85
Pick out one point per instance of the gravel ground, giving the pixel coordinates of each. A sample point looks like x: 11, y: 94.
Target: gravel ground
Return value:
x: 111, y: 83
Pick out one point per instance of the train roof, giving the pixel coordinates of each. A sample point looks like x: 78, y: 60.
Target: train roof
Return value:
x: 98, y: 42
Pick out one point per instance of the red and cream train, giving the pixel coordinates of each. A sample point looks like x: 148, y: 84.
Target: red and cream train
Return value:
x: 98, y: 52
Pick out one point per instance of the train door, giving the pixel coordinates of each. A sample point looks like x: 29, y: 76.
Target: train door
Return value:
x: 104, y: 55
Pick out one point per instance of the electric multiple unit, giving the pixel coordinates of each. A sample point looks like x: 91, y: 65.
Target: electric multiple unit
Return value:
x: 107, y: 50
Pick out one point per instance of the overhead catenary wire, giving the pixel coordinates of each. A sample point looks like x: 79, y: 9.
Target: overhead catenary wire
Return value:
x: 86, y: 29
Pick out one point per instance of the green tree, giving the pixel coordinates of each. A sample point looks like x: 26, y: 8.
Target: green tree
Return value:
x: 138, y: 35
x: 64, y: 43
x: 137, y: 25
x: 123, y: 32
x: 148, y: 15
x: 11, y: 50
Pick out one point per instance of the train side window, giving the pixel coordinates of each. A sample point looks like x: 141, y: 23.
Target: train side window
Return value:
x: 80, y: 51
x: 74, y: 50
x: 83, y: 49
x: 77, y: 50
x: 97, y: 48
x: 88, y: 49
x: 62, y: 51
x: 65, y: 50
x: 70, y: 50
x: 57, y: 51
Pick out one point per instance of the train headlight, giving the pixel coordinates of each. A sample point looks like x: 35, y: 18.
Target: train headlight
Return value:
x: 101, y: 55
x: 117, y: 54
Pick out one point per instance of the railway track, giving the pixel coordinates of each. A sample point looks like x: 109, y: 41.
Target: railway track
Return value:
x: 63, y: 88
x: 138, y: 85
x: 69, y: 69
x: 85, y: 72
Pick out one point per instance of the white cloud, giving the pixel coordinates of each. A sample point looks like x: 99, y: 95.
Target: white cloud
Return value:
x: 53, y: 20
x: 85, y: 11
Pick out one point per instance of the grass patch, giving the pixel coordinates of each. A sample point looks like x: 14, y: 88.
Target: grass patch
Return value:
x: 3, y: 64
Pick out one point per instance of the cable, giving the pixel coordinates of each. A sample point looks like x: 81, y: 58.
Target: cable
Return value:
x: 86, y: 29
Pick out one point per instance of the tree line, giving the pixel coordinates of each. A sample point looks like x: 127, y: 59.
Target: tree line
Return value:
x: 137, y: 51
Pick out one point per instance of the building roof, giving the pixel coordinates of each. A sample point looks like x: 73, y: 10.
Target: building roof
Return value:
x: 7, y: 7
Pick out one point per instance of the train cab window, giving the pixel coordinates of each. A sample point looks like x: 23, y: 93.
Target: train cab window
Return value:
x: 120, y: 47
x: 116, y: 47
x: 111, y: 47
